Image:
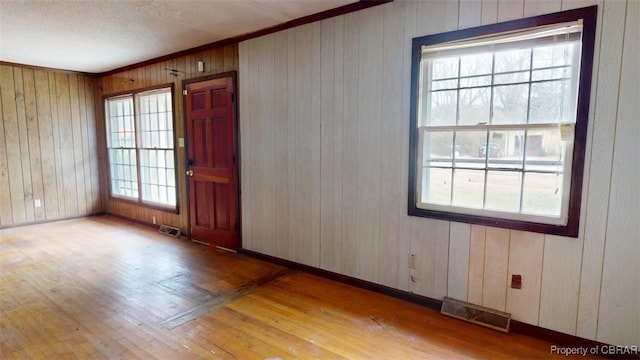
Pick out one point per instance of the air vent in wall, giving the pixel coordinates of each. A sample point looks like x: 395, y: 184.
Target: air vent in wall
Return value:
x: 490, y: 318
x: 169, y: 230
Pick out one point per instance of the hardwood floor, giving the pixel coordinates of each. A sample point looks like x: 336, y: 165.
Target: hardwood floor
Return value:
x: 104, y: 288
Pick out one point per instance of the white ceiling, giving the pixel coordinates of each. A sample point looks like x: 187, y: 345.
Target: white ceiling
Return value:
x: 100, y: 35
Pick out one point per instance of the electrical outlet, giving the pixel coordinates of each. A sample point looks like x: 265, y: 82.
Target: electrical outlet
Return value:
x: 153, y: 218
x: 413, y: 261
x: 37, y: 203
x: 516, y: 281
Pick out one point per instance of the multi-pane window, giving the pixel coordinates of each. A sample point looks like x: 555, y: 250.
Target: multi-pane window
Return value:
x: 140, y: 147
x: 495, y: 118
x: 121, y: 144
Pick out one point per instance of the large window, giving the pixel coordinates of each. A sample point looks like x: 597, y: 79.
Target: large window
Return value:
x: 140, y: 147
x: 499, y: 119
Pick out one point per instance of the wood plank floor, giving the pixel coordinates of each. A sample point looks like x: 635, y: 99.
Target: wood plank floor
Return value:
x: 104, y: 288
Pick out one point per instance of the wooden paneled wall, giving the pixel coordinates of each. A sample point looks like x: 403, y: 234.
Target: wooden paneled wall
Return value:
x: 216, y: 61
x: 47, y: 146
x: 324, y: 150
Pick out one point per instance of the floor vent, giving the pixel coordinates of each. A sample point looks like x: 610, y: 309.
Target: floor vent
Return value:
x: 490, y: 318
x: 169, y: 230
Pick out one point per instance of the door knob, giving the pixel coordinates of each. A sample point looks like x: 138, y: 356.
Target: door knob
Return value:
x: 190, y: 172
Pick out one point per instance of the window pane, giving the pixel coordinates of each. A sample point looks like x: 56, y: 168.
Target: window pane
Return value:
x: 144, y: 129
x: 475, y: 106
x: 477, y: 64
x: 169, y: 142
x: 171, y: 199
x: 155, y: 140
x: 436, y: 186
x: 158, y: 176
x: 169, y: 159
x: 544, y: 150
x: 146, y: 140
x: 503, y: 191
x: 153, y: 175
x: 119, y: 123
x: 171, y: 177
x: 153, y: 104
x: 160, y: 159
x: 130, y: 134
x: 542, y: 194
x: 512, y: 60
x: 123, y: 172
x: 153, y: 121
x: 164, y: 139
x: 442, y: 107
x: 510, y: 104
x: 152, y: 157
x: 162, y: 193
x: 156, y: 120
x: 144, y: 104
x: 551, y: 102
x: 444, y: 68
x: 505, y: 150
x: 162, y: 121
x: 126, y: 106
x: 168, y: 101
x: 437, y: 148
x: 146, y: 189
x: 467, y: 145
x: 162, y: 177
x: 556, y: 55
x: 468, y: 188
x: 494, y: 151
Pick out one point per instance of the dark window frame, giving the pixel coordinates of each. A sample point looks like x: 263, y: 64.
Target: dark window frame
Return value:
x: 139, y: 202
x: 571, y: 229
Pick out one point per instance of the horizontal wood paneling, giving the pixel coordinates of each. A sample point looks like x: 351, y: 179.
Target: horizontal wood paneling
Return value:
x: 363, y: 147
x: 215, y: 61
x: 48, y: 150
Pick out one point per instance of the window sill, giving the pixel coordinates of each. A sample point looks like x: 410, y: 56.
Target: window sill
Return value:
x: 569, y: 230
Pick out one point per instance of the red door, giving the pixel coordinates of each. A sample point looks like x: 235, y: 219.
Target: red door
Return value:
x: 211, y: 166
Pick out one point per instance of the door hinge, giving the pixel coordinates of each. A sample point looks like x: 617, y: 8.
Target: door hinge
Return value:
x: 233, y: 97
x: 184, y: 92
x: 233, y: 158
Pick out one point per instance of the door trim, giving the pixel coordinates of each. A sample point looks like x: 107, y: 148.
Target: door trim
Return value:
x: 236, y: 146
